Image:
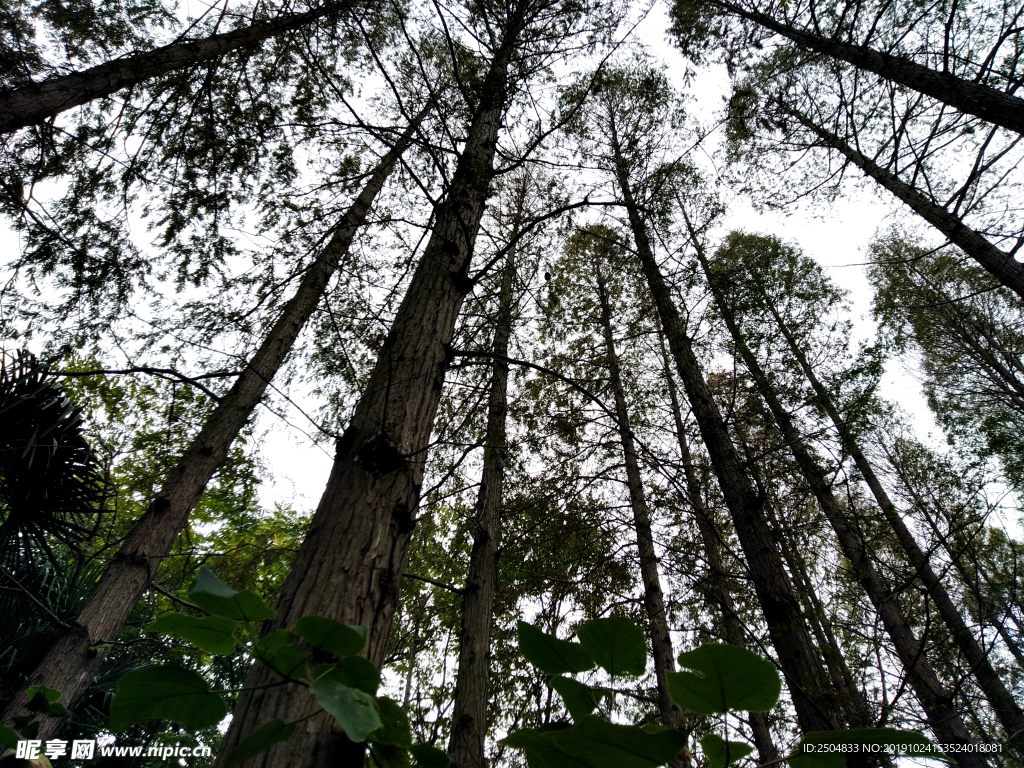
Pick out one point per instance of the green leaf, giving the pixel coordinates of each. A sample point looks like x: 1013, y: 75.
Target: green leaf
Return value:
x: 355, y: 672
x: 8, y: 737
x: 616, y: 643
x: 878, y: 741
x: 724, y: 678
x: 579, y: 699
x: 331, y: 636
x: 606, y: 745
x: 541, y: 751
x: 395, y: 728
x: 355, y: 710
x: 49, y: 694
x: 277, y: 652
x: 721, y: 753
x: 549, y: 654
x: 213, y: 634
x: 168, y: 693
x: 427, y: 756
x: 214, y: 596
x: 263, y: 737
x: 389, y: 756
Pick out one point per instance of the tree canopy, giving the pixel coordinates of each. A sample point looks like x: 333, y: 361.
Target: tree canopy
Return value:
x: 616, y: 478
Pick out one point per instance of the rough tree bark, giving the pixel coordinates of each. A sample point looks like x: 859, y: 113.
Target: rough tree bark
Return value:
x: 469, y: 708
x: 654, y: 597
x: 351, y: 562
x: 41, y: 101
x: 999, y: 264
x: 1003, y: 704
x: 71, y: 664
x: 718, y: 590
x: 813, y: 697
x: 967, y: 96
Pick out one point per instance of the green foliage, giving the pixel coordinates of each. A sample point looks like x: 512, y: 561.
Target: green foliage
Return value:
x: 616, y: 644
x: 427, y: 756
x: 169, y: 693
x: 50, y: 485
x: 354, y: 710
x: 549, y: 654
x: 331, y: 636
x: 579, y: 699
x: 717, y: 680
x: 721, y: 753
x: 724, y: 678
x: 264, y: 737
x: 213, y: 634
x: 345, y: 687
x: 214, y: 596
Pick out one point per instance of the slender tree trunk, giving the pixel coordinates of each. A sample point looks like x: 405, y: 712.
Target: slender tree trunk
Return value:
x: 855, y: 706
x: 936, y: 701
x: 719, y: 590
x: 967, y: 96
x: 813, y: 697
x: 41, y: 101
x: 999, y: 264
x: 351, y: 562
x: 71, y: 664
x: 469, y: 710
x: 654, y: 598
x: 1003, y: 704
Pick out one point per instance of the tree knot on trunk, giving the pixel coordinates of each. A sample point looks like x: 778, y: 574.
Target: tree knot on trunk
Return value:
x: 462, y: 281
x: 380, y: 456
x: 160, y: 504
x: 404, y: 517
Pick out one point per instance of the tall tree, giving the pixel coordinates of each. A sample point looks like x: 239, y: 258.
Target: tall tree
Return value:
x: 469, y: 707
x: 654, y: 597
x: 351, y: 562
x: 1002, y: 702
x: 72, y: 662
x: 719, y: 590
x: 970, y: 335
x: 883, y: 39
x: 38, y: 101
x: 944, y: 720
x: 630, y: 112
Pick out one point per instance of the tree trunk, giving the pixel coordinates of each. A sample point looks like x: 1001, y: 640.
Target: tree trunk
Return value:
x: 999, y: 264
x: 351, y: 562
x: 814, y: 698
x: 1002, y: 702
x: 71, y: 664
x: 719, y: 590
x: 654, y: 598
x: 41, y: 101
x: 966, y: 96
x: 937, y: 703
x: 469, y: 709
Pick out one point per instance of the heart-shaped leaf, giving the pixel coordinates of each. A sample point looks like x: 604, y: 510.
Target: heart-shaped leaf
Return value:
x: 214, y: 596
x: 616, y: 643
x: 549, y: 654
x: 721, y: 753
x: 724, y: 678
x: 331, y: 636
x: 355, y: 710
x: 168, y: 693
x: 213, y: 634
